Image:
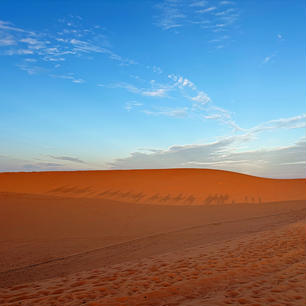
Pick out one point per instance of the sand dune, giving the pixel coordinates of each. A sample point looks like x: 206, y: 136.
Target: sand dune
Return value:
x: 172, y: 186
x: 86, y: 238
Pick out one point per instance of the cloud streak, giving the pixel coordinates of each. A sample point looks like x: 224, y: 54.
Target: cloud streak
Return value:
x: 278, y: 162
x: 194, y: 103
x: 69, y: 39
x: 210, y: 16
x: 70, y: 77
x: 68, y: 158
x: 154, y: 91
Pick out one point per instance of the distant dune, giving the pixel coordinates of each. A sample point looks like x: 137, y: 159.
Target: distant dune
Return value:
x: 166, y: 187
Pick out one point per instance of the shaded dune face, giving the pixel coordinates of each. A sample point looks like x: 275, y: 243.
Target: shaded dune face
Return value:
x: 166, y: 187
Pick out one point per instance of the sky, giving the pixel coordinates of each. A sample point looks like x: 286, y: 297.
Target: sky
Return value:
x: 130, y: 84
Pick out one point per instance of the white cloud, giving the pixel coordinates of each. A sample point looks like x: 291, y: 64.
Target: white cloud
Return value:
x: 171, y: 16
x: 198, y: 3
x: 207, y: 10
x: 149, y: 92
x: 160, y: 92
x: 68, y: 158
x: 30, y: 60
x: 213, y: 116
x: 30, y: 69
x: 19, y: 52
x: 33, y: 43
x: 225, y: 12
x: 226, y: 2
x: 287, y: 123
x: 157, y: 69
x: 178, y: 113
x: 282, y: 162
x: 78, y: 81
x: 131, y: 105
x: 201, y: 97
x: 7, y: 40
x: 183, y: 91
x: 5, y: 25
x: 227, y: 153
x: 267, y: 59
x: 302, y: 162
x: 174, y: 15
x: 180, y: 81
x: 70, y: 77
x: 74, y: 41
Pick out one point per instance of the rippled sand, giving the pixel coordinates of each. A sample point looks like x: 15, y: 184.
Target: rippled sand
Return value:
x: 266, y: 268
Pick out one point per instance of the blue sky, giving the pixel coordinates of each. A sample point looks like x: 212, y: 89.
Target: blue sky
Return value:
x: 153, y: 84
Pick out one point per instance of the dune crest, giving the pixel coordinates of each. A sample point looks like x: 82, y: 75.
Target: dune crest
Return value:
x: 162, y: 186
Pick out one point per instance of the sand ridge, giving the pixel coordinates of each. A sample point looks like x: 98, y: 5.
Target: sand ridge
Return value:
x: 162, y: 186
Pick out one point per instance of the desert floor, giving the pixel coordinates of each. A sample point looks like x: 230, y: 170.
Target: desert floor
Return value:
x: 77, y: 250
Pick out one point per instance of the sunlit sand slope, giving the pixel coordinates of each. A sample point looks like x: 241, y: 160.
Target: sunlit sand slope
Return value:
x: 166, y: 187
x: 75, y: 234
x: 265, y: 268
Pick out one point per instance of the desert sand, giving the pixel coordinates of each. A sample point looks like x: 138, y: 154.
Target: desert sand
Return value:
x: 168, y: 186
x: 151, y: 237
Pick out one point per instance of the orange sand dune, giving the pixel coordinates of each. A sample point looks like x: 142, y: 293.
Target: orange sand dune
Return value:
x: 151, y: 237
x: 167, y: 187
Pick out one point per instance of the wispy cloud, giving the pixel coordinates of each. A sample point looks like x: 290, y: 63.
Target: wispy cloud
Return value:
x: 70, y: 77
x: 226, y: 2
x: 131, y: 105
x: 201, y: 97
x: 7, y: 40
x: 295, y: 122
x: 194, y: 103
x: 68, y: 39
x: 198, y: 3
x: 18, y: 52
x: 184, y: 91
x: 10, y: 163
x: 157, y: 69
x: 229, y: 153
x: 180, y: 81
x: 30, y: 69
x: 202, y: 105
x: 160, y: 92
x: 178, y: 112
x: 225, y: 154
x: 155, y: 91
x: 267, y: 59
x: 171, y: 15
x: 68, y: 158
x: 211, y: 16
x: 8, y: 26
x: 206, y: 10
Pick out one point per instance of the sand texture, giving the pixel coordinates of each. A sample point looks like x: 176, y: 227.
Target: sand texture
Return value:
x: 60, y: 247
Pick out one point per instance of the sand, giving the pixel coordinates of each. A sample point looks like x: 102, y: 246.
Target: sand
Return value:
x: 168, y: 186
x: 61, y: 247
